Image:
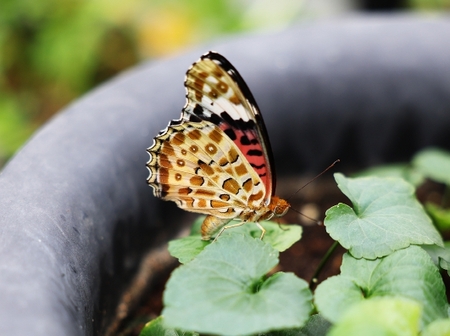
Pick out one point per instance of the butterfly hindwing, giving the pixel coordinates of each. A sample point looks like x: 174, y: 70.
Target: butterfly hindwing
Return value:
x: 198, y: 167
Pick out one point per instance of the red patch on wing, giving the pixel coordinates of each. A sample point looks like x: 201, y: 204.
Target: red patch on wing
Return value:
x: 248, y: 143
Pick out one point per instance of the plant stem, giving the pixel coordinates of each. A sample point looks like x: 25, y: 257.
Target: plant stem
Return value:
x: 324, y: 260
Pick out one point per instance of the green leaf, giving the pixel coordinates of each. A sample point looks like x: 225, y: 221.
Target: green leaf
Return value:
x: 336, y: 294
x: 434, y: 164
x: 187, y: 248
x: 402, y: 170
x: 439, y: 255
x: 409, y: 273
x: 223, y: 290
x: 380, y: 316
x: 315, y: 326
x: 440, y: 216
x: 280, y: 237
x: 385, y: 217
x: 438, y: 328
x: 156, y: 327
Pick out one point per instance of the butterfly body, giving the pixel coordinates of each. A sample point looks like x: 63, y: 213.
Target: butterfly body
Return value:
x: 216, y: 159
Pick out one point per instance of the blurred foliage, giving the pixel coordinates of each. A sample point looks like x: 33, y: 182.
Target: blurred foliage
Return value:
x: 52, y: 51
x: 429, y: 4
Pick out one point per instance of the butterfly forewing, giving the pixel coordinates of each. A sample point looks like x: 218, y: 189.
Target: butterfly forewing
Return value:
x: 216, y: 92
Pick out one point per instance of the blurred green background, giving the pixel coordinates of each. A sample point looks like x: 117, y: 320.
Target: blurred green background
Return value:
x: 52, y: 51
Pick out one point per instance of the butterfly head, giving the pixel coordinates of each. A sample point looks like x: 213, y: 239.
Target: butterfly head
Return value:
x: 278, y: 206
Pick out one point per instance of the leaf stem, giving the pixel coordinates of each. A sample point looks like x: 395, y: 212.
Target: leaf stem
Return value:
x: 324, y: 260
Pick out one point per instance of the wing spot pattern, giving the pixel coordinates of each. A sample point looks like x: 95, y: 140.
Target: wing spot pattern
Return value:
x: 244, y: 140
x: 230, y: 133
x: 164, y: 176
x: 254, y: 152
x: 235, y: 100
x: 233, y: 155
x: 195, y: 134
x: 215, y: 136
x: 178, y: 139
x: 211, y: 149
x: 223, y: 161
x: 198, y: 110
x: 241, y: 170
x: 184, y: 191
x: 224, y: 197
x: 231, y: 185
x: 197, y: 180
x: 204, y: 192
x: 205, y: 167
x: 213, y: 94
x: 218, y: 204
x: 217, y: 73
x: 164, y: 190
x: 167, y: 149
x: 256, y: 197
x: 262, y: 165
x: 247, y: 185
x: 164, y: 161
x: 223, y: 87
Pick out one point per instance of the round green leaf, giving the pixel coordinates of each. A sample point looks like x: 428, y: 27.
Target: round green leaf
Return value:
x: 336, y: 294
x: 281, y: 237
x: 408, y: 273
x: 385, y: 217
x: 387, y: 316
x: 223, y: 291
x: 434, y: 163
x: 438, y: 328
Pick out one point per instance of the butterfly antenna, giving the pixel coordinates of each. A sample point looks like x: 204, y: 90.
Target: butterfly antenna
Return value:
x: 318, y: 222
x: 316, y: 177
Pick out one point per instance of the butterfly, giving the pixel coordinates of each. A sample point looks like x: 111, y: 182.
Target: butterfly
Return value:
x: 216, y: 159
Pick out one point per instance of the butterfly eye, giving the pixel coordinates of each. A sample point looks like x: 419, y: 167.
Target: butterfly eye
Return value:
x: 281, y: 208
x: 280, y: 212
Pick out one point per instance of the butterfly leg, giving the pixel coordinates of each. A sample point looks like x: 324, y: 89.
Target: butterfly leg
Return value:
x: 228, y: 227
x: 263, y: 231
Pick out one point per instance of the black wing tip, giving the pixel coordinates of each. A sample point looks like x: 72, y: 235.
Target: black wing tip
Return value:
x: 212, y: 54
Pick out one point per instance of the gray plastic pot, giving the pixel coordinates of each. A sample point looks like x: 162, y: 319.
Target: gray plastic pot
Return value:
x: 76, y: 214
